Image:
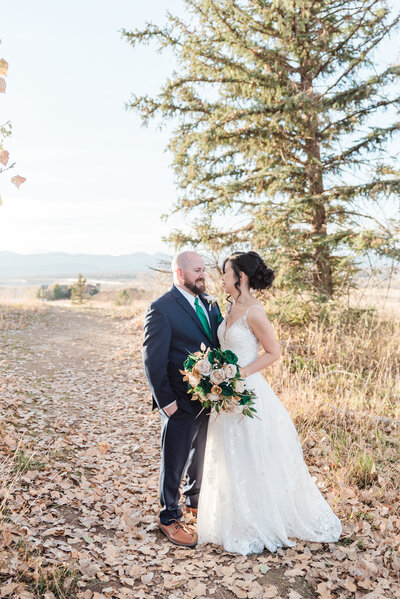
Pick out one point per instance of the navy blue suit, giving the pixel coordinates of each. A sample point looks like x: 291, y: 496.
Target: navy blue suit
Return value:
x: 172, y: 330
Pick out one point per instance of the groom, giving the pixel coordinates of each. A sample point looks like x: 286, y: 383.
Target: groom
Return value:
x: 175, y: 325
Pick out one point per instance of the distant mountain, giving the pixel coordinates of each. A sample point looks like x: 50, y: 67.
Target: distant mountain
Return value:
x: 57, y: 263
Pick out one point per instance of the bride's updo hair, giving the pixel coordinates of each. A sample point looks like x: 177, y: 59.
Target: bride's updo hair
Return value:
x: 251, y: 263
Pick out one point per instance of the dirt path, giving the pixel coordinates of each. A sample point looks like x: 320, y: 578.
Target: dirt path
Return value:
x: 82, y: 517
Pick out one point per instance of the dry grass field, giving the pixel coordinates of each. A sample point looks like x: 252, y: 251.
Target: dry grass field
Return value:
x: 79, y: 451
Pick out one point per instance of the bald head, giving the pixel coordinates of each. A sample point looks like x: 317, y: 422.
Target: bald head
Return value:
x: 189, y: 272
x: 184, y: 260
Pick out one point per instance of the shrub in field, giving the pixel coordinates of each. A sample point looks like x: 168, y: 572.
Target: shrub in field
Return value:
x: 124, y: 298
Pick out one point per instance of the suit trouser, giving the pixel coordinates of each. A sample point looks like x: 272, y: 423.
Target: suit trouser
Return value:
x: 183, y: 441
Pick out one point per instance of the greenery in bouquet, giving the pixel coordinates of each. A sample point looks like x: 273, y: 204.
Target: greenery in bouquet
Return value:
x: 214, y: 379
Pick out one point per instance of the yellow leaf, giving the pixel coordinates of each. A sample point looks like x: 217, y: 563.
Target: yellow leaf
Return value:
x: 3, y: 67
x: 2, y: 85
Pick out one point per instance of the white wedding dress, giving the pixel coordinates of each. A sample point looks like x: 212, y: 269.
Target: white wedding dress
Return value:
x: 257, y: 492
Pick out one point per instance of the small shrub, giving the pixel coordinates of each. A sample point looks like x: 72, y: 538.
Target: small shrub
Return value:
x: 362, y: 471
x: 124, y: 298
x: 78, y: 290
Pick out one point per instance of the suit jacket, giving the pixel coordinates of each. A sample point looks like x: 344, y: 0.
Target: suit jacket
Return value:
x: 172, y: 330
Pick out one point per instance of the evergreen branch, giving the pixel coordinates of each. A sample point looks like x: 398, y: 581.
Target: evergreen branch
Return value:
x: 377, y: 135
x: 369, y: 189
x: 353, y: 117
x: 361, y: 91
x: 336, y: 50
x: 362, y: 56
x: 256, y: 25
x: 151, y: 31
x: 343, y: 212
x: 261, y: 53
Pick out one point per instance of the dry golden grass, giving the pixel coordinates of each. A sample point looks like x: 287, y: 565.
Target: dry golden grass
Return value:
x: 341, y: 384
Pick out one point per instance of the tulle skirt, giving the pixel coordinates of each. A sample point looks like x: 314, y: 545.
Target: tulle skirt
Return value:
x: 257, y: 492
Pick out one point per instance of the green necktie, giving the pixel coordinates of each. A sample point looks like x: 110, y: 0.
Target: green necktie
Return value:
x: 203, y: 318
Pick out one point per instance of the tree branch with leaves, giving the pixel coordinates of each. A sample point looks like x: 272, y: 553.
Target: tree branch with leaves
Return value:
x: 5, y: 132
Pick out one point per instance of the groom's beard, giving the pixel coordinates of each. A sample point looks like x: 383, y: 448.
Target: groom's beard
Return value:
x: 198, y: 287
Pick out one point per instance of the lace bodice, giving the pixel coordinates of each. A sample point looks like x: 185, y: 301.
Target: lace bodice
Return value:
x: 239, y: 338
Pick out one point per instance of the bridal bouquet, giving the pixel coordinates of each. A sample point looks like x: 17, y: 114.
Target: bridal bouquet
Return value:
x: 214, y: 379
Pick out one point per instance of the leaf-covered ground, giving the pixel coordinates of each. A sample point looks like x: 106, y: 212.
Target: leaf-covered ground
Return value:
x: 79, y: 459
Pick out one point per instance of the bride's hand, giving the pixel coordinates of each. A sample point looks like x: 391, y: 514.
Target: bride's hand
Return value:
x: 242, y: 372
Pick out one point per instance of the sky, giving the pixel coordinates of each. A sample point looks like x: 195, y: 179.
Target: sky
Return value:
x: 97, y: 181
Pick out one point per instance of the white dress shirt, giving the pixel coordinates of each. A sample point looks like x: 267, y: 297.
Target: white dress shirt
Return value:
x: 191, y: 298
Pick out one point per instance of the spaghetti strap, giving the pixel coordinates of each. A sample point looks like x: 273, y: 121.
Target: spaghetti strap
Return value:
x: 254, y: 306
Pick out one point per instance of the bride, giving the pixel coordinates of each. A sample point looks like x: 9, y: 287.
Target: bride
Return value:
x: 256, y: 492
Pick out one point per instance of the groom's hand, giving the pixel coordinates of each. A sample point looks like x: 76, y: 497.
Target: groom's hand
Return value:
x: 169, y: 410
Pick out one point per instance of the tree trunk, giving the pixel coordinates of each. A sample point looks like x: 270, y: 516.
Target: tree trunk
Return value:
x: 322, y: 269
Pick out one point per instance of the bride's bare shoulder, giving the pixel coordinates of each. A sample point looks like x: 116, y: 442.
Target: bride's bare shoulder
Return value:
x: 255, y: 304
x: 256, y: 316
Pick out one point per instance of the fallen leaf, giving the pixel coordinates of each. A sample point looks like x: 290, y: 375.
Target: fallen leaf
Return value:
x: 324, y: 591
x: 147, y: 578
x: 104, y: 447
x: 294, y: 572
x: 269, y: 591
x: 9, y: 441
x: 8, y: 589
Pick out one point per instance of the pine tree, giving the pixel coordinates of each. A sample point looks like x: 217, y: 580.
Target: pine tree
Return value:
x: 78, y: 290
x: 278, y: 108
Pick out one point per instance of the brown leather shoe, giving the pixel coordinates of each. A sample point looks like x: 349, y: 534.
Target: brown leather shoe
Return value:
x: 177, y: 534
x: 191, y: 510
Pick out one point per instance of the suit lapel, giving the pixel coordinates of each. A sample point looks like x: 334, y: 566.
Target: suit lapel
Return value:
x: 183, y: 302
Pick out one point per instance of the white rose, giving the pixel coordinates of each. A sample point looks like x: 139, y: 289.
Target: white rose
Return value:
x: 213, y: 396
x: 240, y: 386
x: 229, y: 370
x: 217, y: 376
x: 193, y: 380
x: 204, y: 367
